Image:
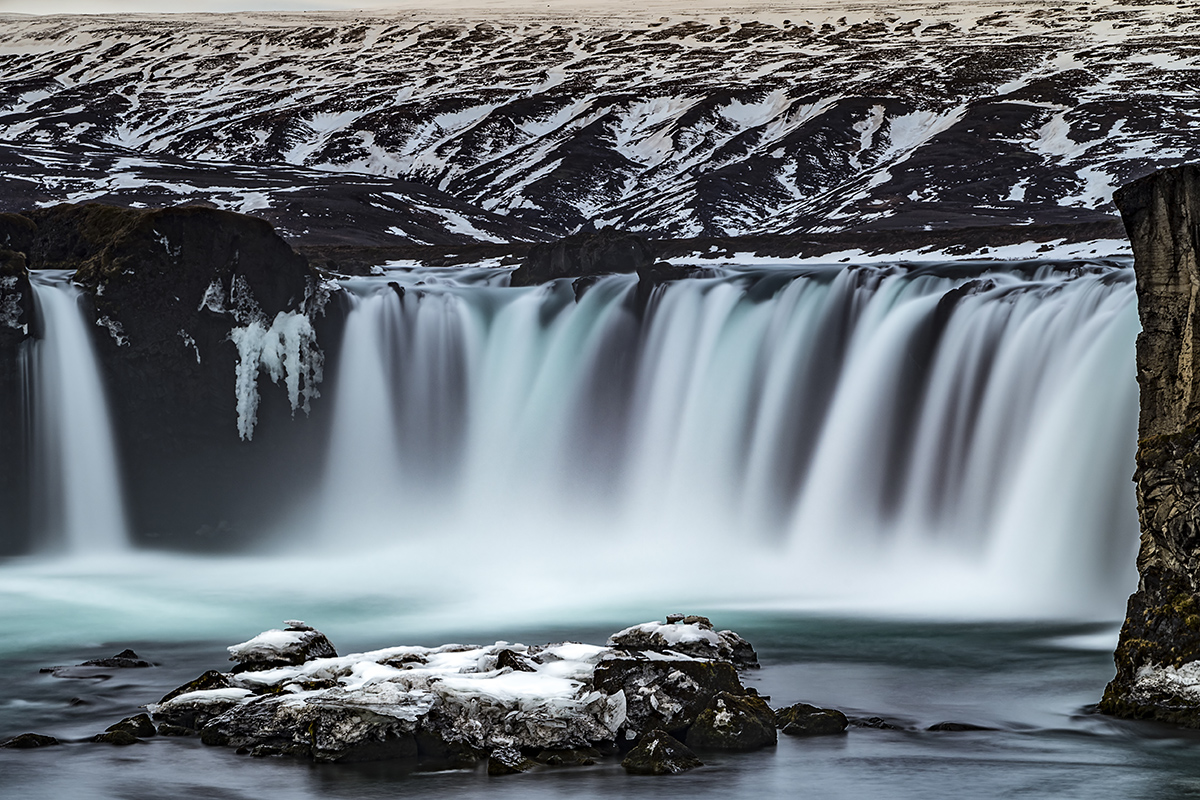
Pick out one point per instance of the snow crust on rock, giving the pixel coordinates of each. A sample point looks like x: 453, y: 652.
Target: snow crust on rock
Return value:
x: 669, y: 634
x: 267, y: 644
x: 1182, y: 681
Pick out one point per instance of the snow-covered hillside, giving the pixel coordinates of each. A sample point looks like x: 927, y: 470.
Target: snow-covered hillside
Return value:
x: 800, y: 119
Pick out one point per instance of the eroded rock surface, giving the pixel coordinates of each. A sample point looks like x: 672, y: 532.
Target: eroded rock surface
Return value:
x: 1158, y: 655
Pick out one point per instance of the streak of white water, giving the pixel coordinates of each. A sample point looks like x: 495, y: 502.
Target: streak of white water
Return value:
x: 878, y: 439
x: 76, y: 459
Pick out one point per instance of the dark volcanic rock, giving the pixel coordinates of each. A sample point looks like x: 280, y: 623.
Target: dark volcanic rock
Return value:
x: 295, y: 644
x: 17, y: 326
x: 958, y: 727
x: 139, y: 726
x: 126, y: 659
x: 802, y: 719
x: 585, y: 254
x: 1158, y: 655
x: 508, y: 761
x: 733, y: 722
x: 659, y: 753
x: 122, y: 738
x: 27, y: 741
x: 666, y: 694
x: 190, y: 305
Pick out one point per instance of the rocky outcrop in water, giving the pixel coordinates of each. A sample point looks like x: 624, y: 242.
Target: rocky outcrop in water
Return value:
x: 197, y: 311
x: 1158, y: 655
x: 511, y: 705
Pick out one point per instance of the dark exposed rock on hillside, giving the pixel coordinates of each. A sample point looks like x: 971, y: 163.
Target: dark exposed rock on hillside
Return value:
x: 583, y: 255
x: 196, y: 310
x: 1158, y: 656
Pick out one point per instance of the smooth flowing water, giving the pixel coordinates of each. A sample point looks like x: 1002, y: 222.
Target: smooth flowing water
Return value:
x: 819, y: 457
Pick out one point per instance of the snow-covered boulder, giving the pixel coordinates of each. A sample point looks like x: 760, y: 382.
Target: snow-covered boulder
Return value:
x: 687, y: 635
x: 281, y: 648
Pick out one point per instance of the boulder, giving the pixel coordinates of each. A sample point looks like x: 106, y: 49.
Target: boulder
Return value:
x: 121, y: 738
x: 802, y: 719
x: 293, y: 645
x: 1158, y: 653
x: 958, y: 727
x: 664, y: 693
x: 688, y: 635
x: 27, y: 741
x: 140, y: 726
x: 126, y: 659
x: 584, y: 254
x: 733, y: 722
x: 659, y: 753
x: 508, y: 761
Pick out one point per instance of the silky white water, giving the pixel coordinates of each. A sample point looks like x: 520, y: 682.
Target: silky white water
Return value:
x: 76, y: 467
x: 950, y: 441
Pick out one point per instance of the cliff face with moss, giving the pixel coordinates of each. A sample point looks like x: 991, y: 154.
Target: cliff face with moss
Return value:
x: 1158, y: 656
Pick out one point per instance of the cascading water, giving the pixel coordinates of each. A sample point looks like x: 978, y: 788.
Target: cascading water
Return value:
x: 874, y: 437
x: 78, y: 496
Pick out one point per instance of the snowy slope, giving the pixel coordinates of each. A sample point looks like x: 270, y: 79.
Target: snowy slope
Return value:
x: 770, y: 119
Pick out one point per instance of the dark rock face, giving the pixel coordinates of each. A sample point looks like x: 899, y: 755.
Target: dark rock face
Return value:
x: 1158, y: 655
x: 659, y: 753
x: 17, y: 326
x: 583, y: 255
x: 733, y: 722
x: 802, y: 719
x: 190, y: 306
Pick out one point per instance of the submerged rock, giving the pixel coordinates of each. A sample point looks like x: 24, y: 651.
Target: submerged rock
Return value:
x: 1158, y: 654
x: 659, y: 753
x: 28, y: 741
x: 126, y: 659
x: 802, y: 719
x: 733, y: 722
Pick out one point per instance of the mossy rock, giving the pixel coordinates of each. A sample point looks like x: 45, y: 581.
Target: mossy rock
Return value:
x: 802, y: 719
x: 659, y: 753
x: 733, y: 722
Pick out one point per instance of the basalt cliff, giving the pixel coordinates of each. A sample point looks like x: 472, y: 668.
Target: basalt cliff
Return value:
x: 1158, y: 655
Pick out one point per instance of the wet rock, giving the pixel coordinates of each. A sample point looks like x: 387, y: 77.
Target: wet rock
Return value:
x: 802, y: 719
x: 139, y: 725
x: 577, y: 757
x: 174, y: 730
x: 508, y: 761
x: 126, y: 659
x: 583, y: 255
x: 659, y: 753
x: 193, y: 710
x: 665, y: 694
x: 879, y: 723
x: 28, y: 741
x: 733, y: 722
x: 958, y: 726
x: 121, y: 738
x: 209, y: 680
x: 293, y: 645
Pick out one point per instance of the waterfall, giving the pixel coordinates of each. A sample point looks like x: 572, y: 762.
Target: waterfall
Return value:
x: 78, y: 488
x: 882, y: 436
